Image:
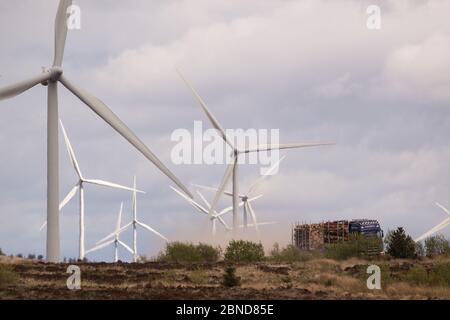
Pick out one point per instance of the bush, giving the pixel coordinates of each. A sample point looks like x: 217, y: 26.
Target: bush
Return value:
x: 41, y: 257
x: 437, y: 245
x: 438, y: 275
x: 417, y: 275
x: 244, y: 251
x: 7, y: 276
x: 188, y: 252
x: 400, y: 245
x: 289, y: 254
x: 230, y: 279
x: 208, y: 253
x: 357, y: 246
x: 31, y: 256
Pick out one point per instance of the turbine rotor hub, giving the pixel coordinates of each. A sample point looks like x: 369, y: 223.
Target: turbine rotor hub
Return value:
x: 55, y: 73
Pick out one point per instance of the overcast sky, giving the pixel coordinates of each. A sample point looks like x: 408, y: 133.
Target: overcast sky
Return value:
x: 310, y: 68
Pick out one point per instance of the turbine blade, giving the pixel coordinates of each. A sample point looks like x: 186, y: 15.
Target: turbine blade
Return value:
x: 204, y: 199
x: 191, y: 201
x: 125, y: 246
x: 433, y: 230
x: 223, y: 222
x: 108, y: 116
x: 228, y: 209
x: 443, y: 208
x: 228, y: 193
x: 114, y: 233
x: 259, y: 224
x: 43, y: 226
x: 268, y: 147
x: 119, y: 218
x: 22, y: 86
x: 223, y: 184
x: 69, y: 196
x: 264, y: 176
x: 100, y: 246
x: 61, y: 31
x: 143, y: 225
x: 110, y: 184
x: 70, y: 150
x: 205, y: 108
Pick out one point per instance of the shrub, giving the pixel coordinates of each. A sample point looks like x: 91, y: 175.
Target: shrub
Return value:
x: 437, y: 245
x: 208, y: 253
x: 400, y: 245
x: 417, y: 275
x: 41, y: 257
x: 357, y: 246
x: 19, y: 255
x: 230, y: 279
x: 188, y: 252
x: 437, y: 275
x: 440, y: 274
x: 198, y: 276
x: 7, y: 276
x: 289, y: 254
x: 244, y: 251
x: 31, y: 256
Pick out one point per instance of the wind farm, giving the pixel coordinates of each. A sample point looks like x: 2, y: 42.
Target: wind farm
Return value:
x: 279, y: 154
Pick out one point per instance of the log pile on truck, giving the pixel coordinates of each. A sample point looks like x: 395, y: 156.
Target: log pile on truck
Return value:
x: 316, y: 236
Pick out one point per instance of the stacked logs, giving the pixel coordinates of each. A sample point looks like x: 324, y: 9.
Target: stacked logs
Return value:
x: 315, y: 236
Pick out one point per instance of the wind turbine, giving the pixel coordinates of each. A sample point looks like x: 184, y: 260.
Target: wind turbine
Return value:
x: 116, y: 241
x: 79, y: 187
x: 216, y: 215
x: 232, y: 169
x: 245, y: 197
x: 50, y: 77
x: 440, y: 226
x: 135, y: 223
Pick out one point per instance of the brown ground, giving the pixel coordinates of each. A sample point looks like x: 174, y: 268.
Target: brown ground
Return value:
x: 315, y: 279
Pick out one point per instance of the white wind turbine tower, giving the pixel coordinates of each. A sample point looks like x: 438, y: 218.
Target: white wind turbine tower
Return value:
x: 79, y: 187
x: 232, y: 169
x: 437, y: 228
x: 135, y: 223
x: 116, y: 241
x: 246, y: 197
x: 50, y: 77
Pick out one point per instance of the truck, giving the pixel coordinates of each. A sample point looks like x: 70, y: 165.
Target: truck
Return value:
x: 318, y: 235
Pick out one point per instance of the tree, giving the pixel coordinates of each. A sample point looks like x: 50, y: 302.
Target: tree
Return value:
x: 400, y: 245
x: 244, y: 251
x: 1, y: 252
x: 437, y: 245
x: 230, y: 279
